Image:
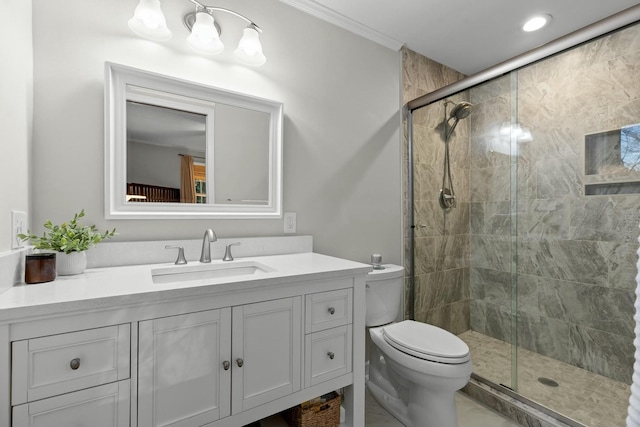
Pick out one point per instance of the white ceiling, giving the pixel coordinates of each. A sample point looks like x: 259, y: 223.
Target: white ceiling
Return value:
x: 466, y: 35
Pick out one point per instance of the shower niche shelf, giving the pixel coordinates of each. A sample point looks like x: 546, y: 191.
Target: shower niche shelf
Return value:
x: 612, y: 161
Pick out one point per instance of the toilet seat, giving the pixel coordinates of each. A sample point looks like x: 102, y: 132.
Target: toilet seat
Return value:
x: 426, y: 342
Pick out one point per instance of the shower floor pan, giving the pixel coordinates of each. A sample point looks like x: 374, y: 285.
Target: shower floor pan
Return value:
x: 590, y: 399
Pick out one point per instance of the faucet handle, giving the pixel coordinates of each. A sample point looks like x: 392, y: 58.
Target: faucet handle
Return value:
x: 227, y: 251
x: 181, y: 259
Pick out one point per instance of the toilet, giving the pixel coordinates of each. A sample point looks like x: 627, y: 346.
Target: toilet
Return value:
x: 414, y: 369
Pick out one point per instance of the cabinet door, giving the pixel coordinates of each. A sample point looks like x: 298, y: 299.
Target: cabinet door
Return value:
x: 182, y: 380
x: 103, y: 406
x: 266, y: 352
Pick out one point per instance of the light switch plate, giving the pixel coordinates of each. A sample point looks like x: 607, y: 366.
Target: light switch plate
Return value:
x: 18, y: 226
x: 289, y: 222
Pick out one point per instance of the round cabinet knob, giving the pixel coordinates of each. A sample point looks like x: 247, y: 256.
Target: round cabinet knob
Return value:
x: 75, y: 363
x: 331, y: 310
x: 240, y: 362
x: 226, y: 365
x: 331, y: 355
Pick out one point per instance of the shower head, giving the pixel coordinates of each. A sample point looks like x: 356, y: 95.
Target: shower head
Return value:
x: 461, y: 110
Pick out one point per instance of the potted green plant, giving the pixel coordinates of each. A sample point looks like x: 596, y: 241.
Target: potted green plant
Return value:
x: 69, y: 240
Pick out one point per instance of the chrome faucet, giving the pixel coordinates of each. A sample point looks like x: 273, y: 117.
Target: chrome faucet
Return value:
x: 207, y: 240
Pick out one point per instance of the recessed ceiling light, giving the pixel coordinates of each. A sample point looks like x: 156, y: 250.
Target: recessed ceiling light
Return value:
x: 536, y: 22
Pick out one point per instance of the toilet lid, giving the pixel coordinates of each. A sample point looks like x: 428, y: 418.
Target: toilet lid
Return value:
x: 426, y: 342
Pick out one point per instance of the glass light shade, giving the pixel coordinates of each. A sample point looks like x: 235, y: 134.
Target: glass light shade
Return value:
x: 204, y: 35
x: 148, y: 21
x: 249, y: 49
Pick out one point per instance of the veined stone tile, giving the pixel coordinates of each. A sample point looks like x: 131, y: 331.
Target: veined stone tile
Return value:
x: 460, y: 317
x: 543, y: 335
x: 477, y: 217
x: 499, y: 322
x: 441, y: 288
x: 488, y: 90
x: 479, y: 316
x: 425, y: 255
x: 440, y: 317
x: 492, y: 286
x: 606, y: 218
x: 492, y: 252
x: 558, y: 178
x: 607, y: 354
x: 597, y: 307
x: 452, y: 252
x: 491, y: 115
x: 577, y: 261
x: 490, y: 184
x: 427, y: 218
x: 425, y: 144
x: 426, y: 182
x: 498, y: 218
x: 527, y: 184
x: 622, y: 266
x: 623, y: 114
x: 527, y: 294
x: 456, y: 220
x: 488, y: 151
x: 543, y: 218
x: 560, y: 140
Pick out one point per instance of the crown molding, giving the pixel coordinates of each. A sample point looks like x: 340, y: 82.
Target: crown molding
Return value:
x: 312, y: 8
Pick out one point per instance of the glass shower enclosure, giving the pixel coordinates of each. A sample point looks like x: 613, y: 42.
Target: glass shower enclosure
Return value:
x: 534, y: 268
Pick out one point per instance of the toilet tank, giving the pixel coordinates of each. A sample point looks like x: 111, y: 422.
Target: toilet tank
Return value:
x: 383, y: 294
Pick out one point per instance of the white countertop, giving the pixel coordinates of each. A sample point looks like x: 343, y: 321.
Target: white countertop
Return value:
x: 116, y: 286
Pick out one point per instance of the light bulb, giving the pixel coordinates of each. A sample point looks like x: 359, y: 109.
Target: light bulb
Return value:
x: 148, y: 21
x: 249, y: 49
x: 204, y: 35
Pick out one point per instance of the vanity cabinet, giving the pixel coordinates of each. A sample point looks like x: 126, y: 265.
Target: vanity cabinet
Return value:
x: 200, y: 367
x: 329, y: 334
x: 220, y: 354
x: 182, y: 378
x: 73, y: 379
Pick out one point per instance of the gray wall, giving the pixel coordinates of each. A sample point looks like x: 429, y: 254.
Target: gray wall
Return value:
x: 341, y: 95
x: 576, y: 254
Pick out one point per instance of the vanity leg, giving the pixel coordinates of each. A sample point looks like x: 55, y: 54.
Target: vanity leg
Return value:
x: 5, y: 373
x: 354, y: 394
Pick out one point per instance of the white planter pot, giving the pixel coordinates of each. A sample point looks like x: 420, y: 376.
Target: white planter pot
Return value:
x: 71, y: 263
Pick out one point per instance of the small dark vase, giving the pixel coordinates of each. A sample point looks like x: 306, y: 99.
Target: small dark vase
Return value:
x: 40, y: 268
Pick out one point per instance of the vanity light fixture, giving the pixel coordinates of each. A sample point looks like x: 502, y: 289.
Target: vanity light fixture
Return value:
x: 536, y: 22
x: 149, y: 22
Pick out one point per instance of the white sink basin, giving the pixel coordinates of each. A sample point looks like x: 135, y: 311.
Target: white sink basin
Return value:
x: 208, y: 271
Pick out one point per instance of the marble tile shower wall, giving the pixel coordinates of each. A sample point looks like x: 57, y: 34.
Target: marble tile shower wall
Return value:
x: 576, y: 254
x: 442, y: 240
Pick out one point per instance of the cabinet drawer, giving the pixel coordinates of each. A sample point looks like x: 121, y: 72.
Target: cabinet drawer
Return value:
x: 57, y: 364
x: 103, y: 406
x: 328, y: 355
x: 326, y: 310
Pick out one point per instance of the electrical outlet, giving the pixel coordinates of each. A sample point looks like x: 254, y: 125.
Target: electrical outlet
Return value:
x: 289, y: 222
x: 18, y: 226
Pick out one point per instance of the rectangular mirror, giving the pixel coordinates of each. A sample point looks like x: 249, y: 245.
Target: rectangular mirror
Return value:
x: 178, y: 149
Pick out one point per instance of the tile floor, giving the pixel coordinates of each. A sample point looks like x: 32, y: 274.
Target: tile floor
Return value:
x: 588, y: 398
x: 470, y: 414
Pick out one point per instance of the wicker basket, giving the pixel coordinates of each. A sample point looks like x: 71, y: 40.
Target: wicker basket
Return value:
x: 323, y: 411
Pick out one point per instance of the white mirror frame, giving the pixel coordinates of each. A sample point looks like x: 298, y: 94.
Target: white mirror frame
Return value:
x: 118, y: 82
